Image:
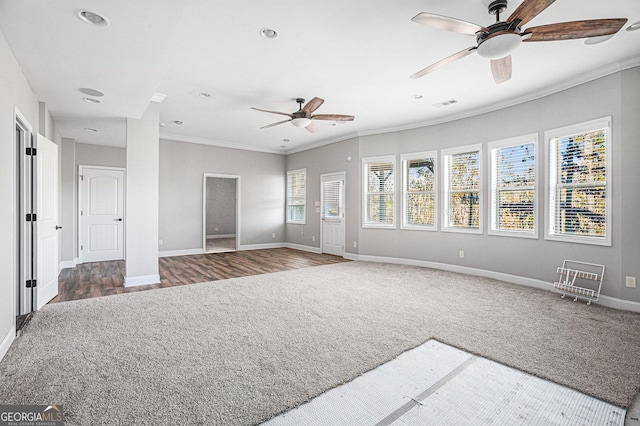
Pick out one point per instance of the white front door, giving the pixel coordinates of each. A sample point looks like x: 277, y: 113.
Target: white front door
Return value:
x: 332, y: 213
x: 101, y: 214
x: 46, y: 221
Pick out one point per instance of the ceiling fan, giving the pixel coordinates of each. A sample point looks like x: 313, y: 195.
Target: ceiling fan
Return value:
x: 497, y: 41
x: 303, y: 117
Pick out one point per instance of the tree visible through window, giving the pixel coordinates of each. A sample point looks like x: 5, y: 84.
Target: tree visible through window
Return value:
x: 578, y: 185
x: 513, y: 186
x: 419, y: 186
x: 462, y: 188
x: 379, y: 177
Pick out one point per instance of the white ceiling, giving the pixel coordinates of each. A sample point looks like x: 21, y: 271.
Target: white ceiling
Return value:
x: 356, y: 54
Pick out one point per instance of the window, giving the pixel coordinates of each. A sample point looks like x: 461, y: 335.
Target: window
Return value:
x: 513, y: 185
x: 296, y: 195
x: 578, y: 186
x: 419, y: 191
x: 379, y: 195
x: 462, y: 189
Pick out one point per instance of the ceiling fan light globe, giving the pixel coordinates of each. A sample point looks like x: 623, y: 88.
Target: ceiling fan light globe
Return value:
x: 301, y: 122
x: 499, y: 46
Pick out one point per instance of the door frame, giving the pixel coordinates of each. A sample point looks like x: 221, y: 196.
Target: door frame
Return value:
x: 24, y: 244
x: 338, y: 176
x: 204, y: 206
x: 80, y: 182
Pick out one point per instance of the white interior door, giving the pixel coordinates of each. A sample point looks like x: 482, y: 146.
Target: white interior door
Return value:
x: 333, y: 213
x: 101, y: 214
x: 47, y: 221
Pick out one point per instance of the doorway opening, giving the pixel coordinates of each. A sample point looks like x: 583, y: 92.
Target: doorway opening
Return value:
x: 221, y: 213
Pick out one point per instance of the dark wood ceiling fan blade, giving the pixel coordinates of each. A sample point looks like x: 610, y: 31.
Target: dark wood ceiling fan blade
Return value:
x: 444, y: 62
x: 575, y: 29
x: 528, y: 10
x: 272, y: 112
x: 275, y: 124
x: 312, y: 128
x: 312, y: 105
x: 333, y: 117
x: 446, y: 23
x: 501, y: 69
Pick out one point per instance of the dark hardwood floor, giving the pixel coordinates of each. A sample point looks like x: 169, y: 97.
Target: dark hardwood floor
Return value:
x: 107, y: 278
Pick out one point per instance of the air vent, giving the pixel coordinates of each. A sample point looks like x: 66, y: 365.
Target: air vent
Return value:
x: 445, y: 103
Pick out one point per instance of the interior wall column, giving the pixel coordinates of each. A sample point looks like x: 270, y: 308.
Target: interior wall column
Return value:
x: 142, y: 195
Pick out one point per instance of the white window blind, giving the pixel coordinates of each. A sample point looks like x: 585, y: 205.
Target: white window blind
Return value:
x: 462, y: 191
x: 331, y: 199
x: 379, y: 180
x: 296, y: 195
x: 513, y: 186
x: 579, y: 200
x: 419, y: 191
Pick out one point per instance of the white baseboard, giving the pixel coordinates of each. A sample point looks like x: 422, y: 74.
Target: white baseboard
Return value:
x: 7, y: 341
x: 607, y: 301
x: 310, y: 249
x: 213, y: 237
x: 187, y: 252
x: 141, y: 280
x: 260, y: 246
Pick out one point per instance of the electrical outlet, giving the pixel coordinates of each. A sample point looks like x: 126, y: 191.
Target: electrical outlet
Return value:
x: 631, y: 282
x: 159, y: 242
x: 273, y: 235
x: 313, y: 238
x: 355, y: 244
x: 461, y: 254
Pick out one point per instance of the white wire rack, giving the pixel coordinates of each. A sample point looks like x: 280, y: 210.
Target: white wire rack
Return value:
x: 580, y: 279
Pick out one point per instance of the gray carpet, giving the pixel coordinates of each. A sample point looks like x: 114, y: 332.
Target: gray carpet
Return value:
x: 240, y: 351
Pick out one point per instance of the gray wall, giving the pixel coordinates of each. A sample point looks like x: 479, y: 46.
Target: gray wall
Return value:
x: 614, y: 95
x: 221, y: 206
x: 323, y: 160
x: 182, y: 168
x: 74, y: 154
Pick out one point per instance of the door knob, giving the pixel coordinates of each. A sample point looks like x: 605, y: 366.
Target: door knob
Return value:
x: 58, y: 227
x: 118, y: 219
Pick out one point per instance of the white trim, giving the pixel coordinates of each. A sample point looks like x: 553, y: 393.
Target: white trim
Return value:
x: 608, y: 301
x: 549, y: 215
x: 444, y: 156
x: 310, y: 249
x: 378, y: 159
x: 505, y: 143
x: 404, y: 158
x: 187, y: 252
x: 217, y: 236
x: 204, y: 207
x: 7, y: 341
x: 261, y: 246
x: 141, y: 280
x: 212, y: 142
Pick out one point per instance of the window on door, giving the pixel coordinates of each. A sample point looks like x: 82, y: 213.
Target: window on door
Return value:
x: 296, y: 196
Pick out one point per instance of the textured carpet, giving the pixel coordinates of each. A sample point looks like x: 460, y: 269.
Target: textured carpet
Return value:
x: 240, y: 351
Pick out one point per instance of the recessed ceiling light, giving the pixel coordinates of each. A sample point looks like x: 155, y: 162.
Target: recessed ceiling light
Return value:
x: 634, y: 26
x: 162, y: 124
x: 177, y: 122
x: 93, y: 18
x: 416, y: 97
x: 90, y: 129
x: 91, y: 92
x: 597, y: 40
x: 92, y: 101
x: 205, y: 95
x: 268, y: 33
